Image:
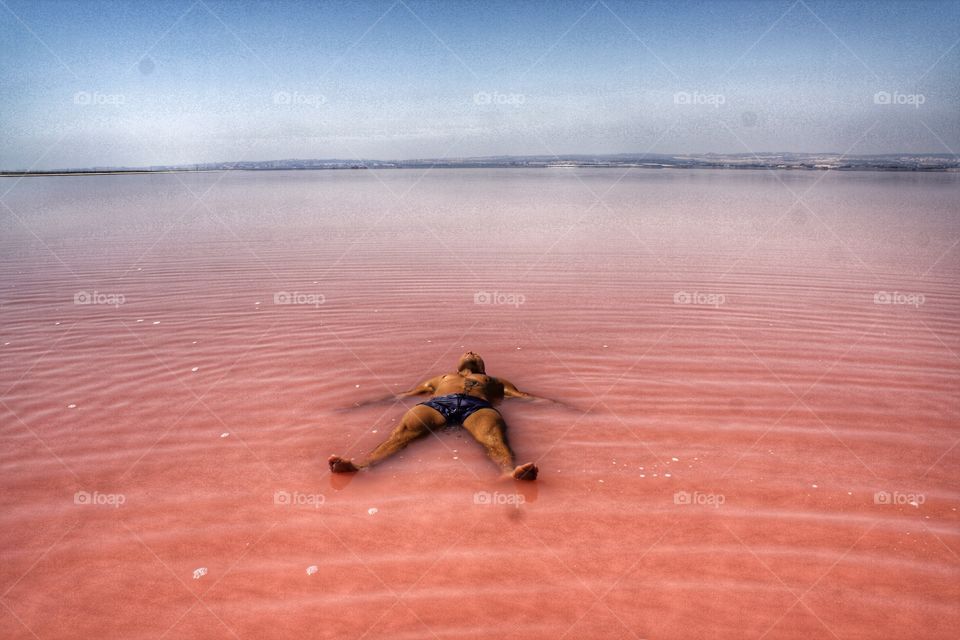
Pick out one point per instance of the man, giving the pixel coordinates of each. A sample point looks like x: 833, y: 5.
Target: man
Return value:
x: 465, y: 398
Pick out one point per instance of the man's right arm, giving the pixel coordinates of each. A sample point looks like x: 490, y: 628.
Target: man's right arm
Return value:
x: 427, y: 386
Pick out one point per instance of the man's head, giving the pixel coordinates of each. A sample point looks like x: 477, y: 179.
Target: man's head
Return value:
x: 471, y: 362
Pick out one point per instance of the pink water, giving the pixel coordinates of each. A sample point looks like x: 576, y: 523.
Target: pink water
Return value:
x: 716, y: 475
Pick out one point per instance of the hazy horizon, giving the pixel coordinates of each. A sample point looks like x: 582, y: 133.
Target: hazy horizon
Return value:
x: 99, y: 84
x: 560, y: 156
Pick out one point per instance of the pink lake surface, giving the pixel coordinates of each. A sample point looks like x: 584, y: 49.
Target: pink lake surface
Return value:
x: 754, y: 447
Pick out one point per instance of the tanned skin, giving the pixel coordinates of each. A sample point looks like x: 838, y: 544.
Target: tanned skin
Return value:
x: 485, y: 425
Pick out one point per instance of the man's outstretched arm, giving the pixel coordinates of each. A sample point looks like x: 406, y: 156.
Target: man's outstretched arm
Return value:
x: 427, y: 386
x: 510, y: 391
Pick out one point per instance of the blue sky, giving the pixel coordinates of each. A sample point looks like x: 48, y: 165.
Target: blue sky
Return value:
x: 139, y: 83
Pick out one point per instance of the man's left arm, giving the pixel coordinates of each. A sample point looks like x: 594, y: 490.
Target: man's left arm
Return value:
x: 510, y: 391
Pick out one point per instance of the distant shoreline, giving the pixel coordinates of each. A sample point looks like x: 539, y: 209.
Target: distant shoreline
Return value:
x: 766, y: 161
x: 119, y: 172
x: 40, y: 174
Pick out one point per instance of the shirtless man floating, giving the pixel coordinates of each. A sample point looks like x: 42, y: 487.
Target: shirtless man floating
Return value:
x: 465, y: 398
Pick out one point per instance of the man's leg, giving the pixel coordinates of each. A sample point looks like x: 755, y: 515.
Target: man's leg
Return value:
x: 488, y: 428
x: 415, y: 423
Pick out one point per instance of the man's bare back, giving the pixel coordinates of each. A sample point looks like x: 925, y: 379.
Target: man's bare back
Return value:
x: 468, y: 398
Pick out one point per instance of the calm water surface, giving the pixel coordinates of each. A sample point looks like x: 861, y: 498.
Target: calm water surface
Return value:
x: 762, y: 372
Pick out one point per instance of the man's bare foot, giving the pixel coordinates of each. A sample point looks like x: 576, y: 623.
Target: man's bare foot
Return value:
x: 339, y: 465
x: 526, y: 472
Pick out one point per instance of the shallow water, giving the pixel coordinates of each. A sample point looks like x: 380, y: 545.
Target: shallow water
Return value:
x: 738, y: 397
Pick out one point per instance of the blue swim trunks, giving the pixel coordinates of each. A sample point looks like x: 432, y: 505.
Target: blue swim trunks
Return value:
x: 457, y: 407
